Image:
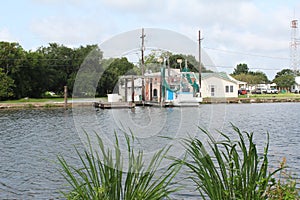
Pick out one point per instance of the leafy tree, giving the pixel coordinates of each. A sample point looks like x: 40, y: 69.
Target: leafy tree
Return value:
x: 6, y: 85
x: 285, y: 78
x: 285, y: 72
x: 63, y: 63
x: 86, y: 67
x: 110, y: 77
x: 11, y: 55
x: 192, y: 64
x: 252, y: 77
x: 89, y: 72
x: 31, y: 79
x: 259, y: 77
x: 58, y: 63
x: 241, y: 68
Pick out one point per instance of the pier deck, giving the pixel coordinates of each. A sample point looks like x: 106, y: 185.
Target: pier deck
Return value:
x: 108, y: 105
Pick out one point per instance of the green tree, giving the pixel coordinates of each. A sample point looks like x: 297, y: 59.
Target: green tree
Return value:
x: 259, y: 77
x: 152, y: 63
x: 91, y: 68
x: 12, y: 56
x: 58, y: 63
x: 285, y: 72
x: 6, y: 86
x: 110, y: 77
x: 31, y: 79
x: 241, y: 68
x: 252, y: 77
x: 86, y: 61
x: 285, y: 78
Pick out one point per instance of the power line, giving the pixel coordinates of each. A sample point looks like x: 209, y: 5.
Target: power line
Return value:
x: 252, y: 68
x: 247, y: 54
x: 232, y: 67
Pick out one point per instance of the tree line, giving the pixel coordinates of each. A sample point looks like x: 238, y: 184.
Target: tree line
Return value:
x: 49, y: 68
x: 33, y: 73
x: 283, y: 79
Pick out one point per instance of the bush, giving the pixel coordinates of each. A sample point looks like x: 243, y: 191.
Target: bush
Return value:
x: 285, y: 188
x: 233, y: 170
x: 102, y: 176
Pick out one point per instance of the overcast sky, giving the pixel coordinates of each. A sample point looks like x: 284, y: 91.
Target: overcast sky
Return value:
x: 254, y: 32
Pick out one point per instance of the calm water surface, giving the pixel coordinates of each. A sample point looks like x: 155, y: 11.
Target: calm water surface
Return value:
x: 30, y: 140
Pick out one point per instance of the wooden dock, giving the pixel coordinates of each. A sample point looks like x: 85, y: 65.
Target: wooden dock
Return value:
x: 108, y: 105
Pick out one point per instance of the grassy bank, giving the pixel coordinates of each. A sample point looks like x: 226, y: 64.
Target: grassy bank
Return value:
x: 256, y: 98
x: 280, y: 95
x: 47, y: 102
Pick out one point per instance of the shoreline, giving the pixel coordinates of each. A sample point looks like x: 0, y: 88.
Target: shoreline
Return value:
x: 51, y: 104
x: 273, y: 99
x: 31, y: 105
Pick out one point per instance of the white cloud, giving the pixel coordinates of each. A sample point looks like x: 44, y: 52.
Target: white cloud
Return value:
x: 248, y: 26
x: 5, y: 35
x: 70, y: 30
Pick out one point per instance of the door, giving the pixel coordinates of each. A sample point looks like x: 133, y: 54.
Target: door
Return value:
x: 170, y: 95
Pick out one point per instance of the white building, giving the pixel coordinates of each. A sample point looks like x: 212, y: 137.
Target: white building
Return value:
x: 137, y: 89
x: 296, y: 87
x: 220, y: 84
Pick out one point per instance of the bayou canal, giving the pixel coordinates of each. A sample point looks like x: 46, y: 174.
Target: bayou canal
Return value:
x: 31, y: 139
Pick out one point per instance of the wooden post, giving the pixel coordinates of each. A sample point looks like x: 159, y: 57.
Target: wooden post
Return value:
x: 160, y: 91
x: 200, y: 67
x: 132, y: 89
x: 126, y: 93
x: 143, y: 64
x: 169, y: 73
x: 151, y: 92
x: 65, y: 97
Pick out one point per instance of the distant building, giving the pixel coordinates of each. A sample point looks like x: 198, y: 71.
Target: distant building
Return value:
x: 181, y: 86
x: 137, y: 89
x: 296, y: 87
x: 220, y: 85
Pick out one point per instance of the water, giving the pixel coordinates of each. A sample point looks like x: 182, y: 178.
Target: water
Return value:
x: 30, y: 140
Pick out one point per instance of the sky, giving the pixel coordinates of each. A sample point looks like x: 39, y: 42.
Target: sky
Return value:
x: 254, y: 32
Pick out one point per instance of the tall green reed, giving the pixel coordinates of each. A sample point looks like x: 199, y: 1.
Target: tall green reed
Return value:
x: 103, y: 176
x: 228, y: 169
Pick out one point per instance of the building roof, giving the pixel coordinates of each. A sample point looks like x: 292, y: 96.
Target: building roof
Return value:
x: 221, y: 75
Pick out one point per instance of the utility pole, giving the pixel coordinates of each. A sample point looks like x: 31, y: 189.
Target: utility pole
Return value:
x: 200, y: 67
x: 143, y: 64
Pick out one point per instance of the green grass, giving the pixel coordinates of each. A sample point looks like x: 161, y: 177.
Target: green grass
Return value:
x: 280, y: 95
x: 228, y: 169
x: 34, y: 100
x: 103, y: 176
x: 45, y: 100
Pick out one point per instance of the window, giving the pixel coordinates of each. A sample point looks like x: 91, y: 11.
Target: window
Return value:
x: 212, y: 90
x: 226, y: 88
x: 231, y: 88
x: 155, y: 93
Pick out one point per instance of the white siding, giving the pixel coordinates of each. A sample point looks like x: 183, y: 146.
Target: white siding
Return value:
x: 219, y: 86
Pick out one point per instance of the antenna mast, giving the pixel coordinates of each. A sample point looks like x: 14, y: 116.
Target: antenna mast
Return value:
x: 294, y: 46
